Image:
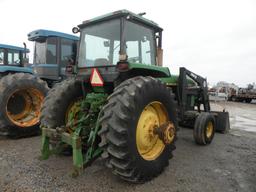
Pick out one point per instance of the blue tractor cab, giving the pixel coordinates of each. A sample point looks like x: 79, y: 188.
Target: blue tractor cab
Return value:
x: 13, y: 59
x: 22, y: 94
x: 53, y: 52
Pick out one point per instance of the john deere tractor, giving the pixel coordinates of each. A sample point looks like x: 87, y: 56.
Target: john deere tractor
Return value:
x: 23, y: 88
x: 122, y: 104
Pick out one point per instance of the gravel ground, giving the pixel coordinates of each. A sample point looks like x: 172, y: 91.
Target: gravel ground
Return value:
x: 228, y: 164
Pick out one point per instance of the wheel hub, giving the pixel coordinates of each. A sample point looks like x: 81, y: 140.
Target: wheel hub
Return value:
x: 23, y: 107
x: 154, y: 131
x: 209, y: 130
x: 72, y: 115
x: 166, y: 132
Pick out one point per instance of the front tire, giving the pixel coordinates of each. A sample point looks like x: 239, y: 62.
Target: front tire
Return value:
x: 133, y: 109
x: 204, y: 128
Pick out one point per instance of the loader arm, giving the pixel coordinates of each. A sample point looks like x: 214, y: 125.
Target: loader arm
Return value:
x: 186, y: 93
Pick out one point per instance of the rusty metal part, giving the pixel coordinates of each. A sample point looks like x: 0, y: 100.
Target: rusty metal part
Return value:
x: 166, y: 132
x: 30, y: 113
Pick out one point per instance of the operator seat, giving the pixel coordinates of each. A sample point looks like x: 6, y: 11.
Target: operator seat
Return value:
x: 101, y: 62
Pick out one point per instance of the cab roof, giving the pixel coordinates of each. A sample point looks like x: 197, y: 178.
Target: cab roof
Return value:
x: 122, y: 13
x: 4, y: 46
x: 42, y: 33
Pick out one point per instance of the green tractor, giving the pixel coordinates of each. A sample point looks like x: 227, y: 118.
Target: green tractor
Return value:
x: 122, y: 104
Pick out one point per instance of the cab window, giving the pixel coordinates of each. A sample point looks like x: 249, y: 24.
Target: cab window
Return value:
x: 51, y: 53
x: 40, y: 52
x: 13, y: 57
x: 68, y: 51
x: 139, y: 44
x: 146, y: 52
x: 99, y: 57
x: 132, y: 50
x: 1, y: 56
x: 100, y: 44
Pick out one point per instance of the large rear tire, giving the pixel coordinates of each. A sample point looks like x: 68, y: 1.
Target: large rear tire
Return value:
x: 58, y: 101
x: 21, y: 99
x: 134, y: 109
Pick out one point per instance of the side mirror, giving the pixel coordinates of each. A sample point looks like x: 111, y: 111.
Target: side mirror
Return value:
x: 75, y: 30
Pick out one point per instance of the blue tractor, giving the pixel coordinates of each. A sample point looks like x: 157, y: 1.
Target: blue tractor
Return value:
x: 53, y: 53
x: 23, y: 86
x: 13, y: 59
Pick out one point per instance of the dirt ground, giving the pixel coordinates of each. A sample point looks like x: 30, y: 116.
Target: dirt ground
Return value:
x: 228, y: 164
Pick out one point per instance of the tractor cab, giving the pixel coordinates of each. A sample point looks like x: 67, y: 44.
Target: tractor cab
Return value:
x: 121, y: 40
x: 13, y: 56
x: 53, y: 51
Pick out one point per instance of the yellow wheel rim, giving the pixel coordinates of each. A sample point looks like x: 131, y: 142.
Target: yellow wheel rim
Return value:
x: 209, y: 130
x: 72, y: 113
x: 149, y: 144
x: 23, y: 107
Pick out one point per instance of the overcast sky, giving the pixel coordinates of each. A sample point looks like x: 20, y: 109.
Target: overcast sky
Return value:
x: 214, y: 38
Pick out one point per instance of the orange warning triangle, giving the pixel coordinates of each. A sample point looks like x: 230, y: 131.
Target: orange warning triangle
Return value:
x: 96, y: 79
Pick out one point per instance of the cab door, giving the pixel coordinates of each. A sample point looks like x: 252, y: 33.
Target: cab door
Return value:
x: 68, y: 51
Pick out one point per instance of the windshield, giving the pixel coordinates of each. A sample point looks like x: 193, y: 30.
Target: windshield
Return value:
x: 100, y: 44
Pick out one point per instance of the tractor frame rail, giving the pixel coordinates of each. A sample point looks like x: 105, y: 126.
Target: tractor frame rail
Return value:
x: 84, y: 145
